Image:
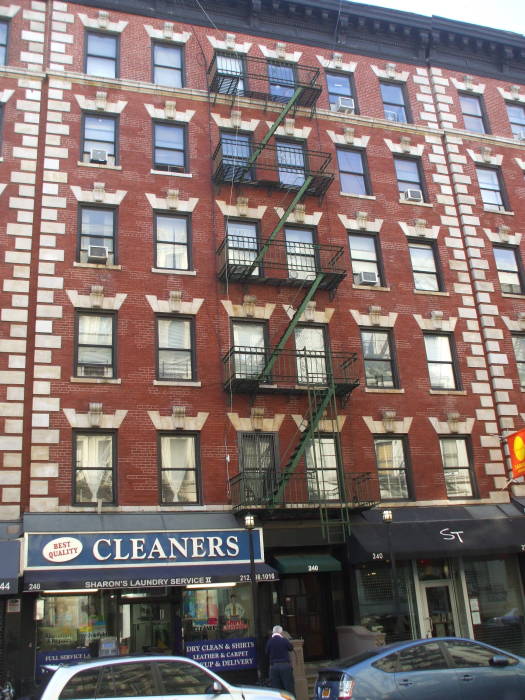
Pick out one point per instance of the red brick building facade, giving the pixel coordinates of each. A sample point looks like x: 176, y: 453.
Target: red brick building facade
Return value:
x: 316, y: 329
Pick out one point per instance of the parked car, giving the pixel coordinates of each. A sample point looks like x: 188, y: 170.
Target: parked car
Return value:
x: 147, y: 677
x: 440, y: 668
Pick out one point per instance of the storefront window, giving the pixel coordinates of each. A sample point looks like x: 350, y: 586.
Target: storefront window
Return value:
x: 496, y: 602
x: 375, y: 599
x: 73, y: 621
x: 217, y: 613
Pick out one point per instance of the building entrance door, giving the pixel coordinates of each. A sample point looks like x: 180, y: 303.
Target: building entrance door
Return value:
x: 145, y: 627
x: 439, y: 614
x: 306, y: 608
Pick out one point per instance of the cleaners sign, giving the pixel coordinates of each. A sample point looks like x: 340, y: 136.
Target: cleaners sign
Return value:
x: 96, y: 550
x: 223, y: 654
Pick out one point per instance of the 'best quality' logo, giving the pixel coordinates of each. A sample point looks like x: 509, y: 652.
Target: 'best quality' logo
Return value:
x: 62, y: 549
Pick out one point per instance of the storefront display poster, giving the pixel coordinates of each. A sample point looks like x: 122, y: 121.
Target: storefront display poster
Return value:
x: 223, y: 654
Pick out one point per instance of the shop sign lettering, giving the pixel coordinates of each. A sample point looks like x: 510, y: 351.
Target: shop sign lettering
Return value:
x: 448, y: 534
x: 223, y: 654
x: 97, y: 550
x: 61, y: 656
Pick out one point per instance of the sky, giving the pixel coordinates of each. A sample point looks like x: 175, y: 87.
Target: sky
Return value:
x: 498, y: 14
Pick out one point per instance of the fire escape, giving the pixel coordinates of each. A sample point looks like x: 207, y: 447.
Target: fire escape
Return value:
x: 324, y: 377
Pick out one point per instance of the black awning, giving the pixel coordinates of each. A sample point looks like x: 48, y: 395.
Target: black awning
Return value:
x: 306, y: 562
x: 413, y: 538
x: 10, y: 569
x: 143, y: 577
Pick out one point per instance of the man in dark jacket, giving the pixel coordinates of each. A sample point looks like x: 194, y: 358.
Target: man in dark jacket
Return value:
x: 278, y: 649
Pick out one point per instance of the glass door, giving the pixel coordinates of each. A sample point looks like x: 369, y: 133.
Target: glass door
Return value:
x: 438, y: 610
x: 145, y: 627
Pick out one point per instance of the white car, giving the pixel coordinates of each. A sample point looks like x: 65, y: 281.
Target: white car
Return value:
x: 147, y: 677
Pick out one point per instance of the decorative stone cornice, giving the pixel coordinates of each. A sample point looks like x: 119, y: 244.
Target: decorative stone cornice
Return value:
x: 100, y: 103
x: 178, y: 420
x: 249, y: 309
x: 299, y: 216
x: 310, y: 314
x: 503, y: 235
x: 280, y: 53
x: 336, y: 63
x: 169, y: 112
x: 167, y: 33
x: 419, y: 229
x: 257, y: 421
x: 485, y: 156
x: 374, y: 317
x: 348, y: 138
x: 390, y: 72
x: 102, y: 21
x: 172, y: 202
x: 241, y: 209
x: 234, y: 121
x: 405, y: 147
x: 436, y: 322
x: 398, y: 425
x: 452, y: 427
x: 326, y: 425
x: 9, y: 11
x: 289, y: 129
x: 468, y: 85
x: 96, y: 299
x: 174, y: 304
x: 230, y: 44
x: 361, y: 222
x: 5, y: 95
x: 94, y: 418
x: 98, y: 195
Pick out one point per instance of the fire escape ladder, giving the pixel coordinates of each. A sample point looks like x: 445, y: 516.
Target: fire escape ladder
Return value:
x: 266, y: 372
x: 320, y: 401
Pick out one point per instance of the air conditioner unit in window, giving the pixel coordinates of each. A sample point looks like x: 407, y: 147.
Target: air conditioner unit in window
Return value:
x: 391, y: 115
x: 413, y: 195
x: 97, y: 254
x: 345, y: 105
x: 98, y: 155
x: 370, y: 278
x: 94, y: 370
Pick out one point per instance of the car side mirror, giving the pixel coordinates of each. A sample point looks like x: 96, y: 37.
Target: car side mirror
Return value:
x: 498, y: 660
x: 217, y: 688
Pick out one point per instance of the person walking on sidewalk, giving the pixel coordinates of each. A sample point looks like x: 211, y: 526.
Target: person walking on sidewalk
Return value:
x: 278, y: 648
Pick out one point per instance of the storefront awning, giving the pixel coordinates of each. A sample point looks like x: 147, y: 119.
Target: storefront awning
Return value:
x: 427, y: 533
x: 143, y: 577
x: 10, y: 569
x: 309, y: 562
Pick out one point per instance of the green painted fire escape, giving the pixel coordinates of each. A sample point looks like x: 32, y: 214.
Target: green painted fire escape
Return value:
x: 322, y: 400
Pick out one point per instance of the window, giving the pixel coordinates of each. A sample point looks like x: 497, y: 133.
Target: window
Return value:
x: 440, y: 361
x: 491, y: 188
x: 473, y: 116
x: 99, y: 140
x: 231, y: 74
x: 365, y: 259
x: 242, y: 243
x: 175, y: 354
x: 258, y: 464
x: 408, y: 175
x: 311, y: 354
x: 424, y: 267
x: 95, y: 345
x: 3, y: 43
x: 249, y: 340
x: 391, y: 468
x: 321, y: 469
x: 178, y: 468
x: 518, y: 343
x: 470, y: 655
x: 169, y: 147
x: 516, y: 114
x: 352, y: 172
x: 300, y: 253
x: 377, y: 356
x: 172, y: 250
x: 97, y: 235
x: 394, y: 103
x: 456, y: 467
x: 82, y: 685
x: 93, y: 468
x: 422, y: 657
x: 131, y: 680
x: 508, y: 265
x: 236, y: 150
x: 101, y: 55
x: 167, y: 65
x: 291, y: 162
x: 339, y: 85
x: 281, y: 77
x: 183, y: 678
